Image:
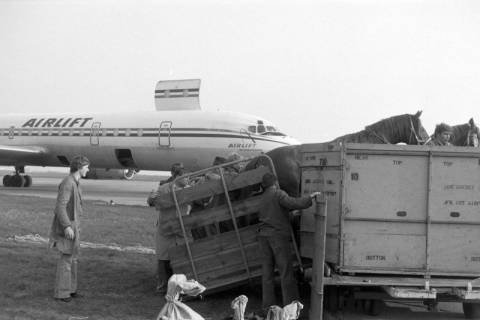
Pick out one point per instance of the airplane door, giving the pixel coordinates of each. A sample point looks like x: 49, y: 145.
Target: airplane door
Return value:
x: 95, y: 134
x: 11, y: 132
x: 164, y: 133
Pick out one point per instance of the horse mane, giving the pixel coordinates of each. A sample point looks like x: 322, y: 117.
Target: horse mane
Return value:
x: 394, y: 124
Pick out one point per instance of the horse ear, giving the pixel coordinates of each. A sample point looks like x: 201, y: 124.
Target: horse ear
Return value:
x: 418, y: 114
x: 471, y: 122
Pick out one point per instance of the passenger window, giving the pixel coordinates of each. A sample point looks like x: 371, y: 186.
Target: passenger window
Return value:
x: 252, y: 129
x: 261, y: 128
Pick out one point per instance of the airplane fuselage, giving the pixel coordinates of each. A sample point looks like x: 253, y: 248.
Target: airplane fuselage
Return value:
x: 148, y: 140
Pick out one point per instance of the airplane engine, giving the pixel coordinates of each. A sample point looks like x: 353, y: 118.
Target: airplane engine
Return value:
x: 128, y: 174
x: 113, y: 174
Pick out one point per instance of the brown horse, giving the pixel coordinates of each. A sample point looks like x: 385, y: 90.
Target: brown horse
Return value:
x: 467, y: 134
x: 405, y: 128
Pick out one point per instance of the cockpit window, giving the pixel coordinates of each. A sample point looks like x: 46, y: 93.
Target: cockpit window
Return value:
x: 274, y: 133
x: 266, y: 130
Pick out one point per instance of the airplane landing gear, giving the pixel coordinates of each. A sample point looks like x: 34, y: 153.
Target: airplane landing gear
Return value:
x: 18, y: 180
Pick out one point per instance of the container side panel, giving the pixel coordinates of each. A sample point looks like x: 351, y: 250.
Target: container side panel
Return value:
x: 455, y: 249
x: 455, y: 196
x: 384, y: 245
x: 386, y: 187
x: 455, y: 203
x: 327, y: 180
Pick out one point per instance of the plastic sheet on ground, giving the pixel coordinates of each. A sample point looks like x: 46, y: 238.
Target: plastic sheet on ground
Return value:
x: 174, y: 309
x: 289, y: 312
x: 37, y: 239
x: 238, y: 305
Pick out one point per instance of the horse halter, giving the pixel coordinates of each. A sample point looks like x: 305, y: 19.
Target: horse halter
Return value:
x: 414, y: 133
x: 470, y: 133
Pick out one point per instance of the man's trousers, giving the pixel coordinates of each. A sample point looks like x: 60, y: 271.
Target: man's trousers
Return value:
x: 276, y: 250
x: 66, y: 276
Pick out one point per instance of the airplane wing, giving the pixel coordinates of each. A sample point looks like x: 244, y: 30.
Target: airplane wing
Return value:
x: 177, y: 95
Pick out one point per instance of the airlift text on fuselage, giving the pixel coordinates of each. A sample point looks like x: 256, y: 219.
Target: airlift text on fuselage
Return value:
x: 242, y: 145
x: 56, y: 122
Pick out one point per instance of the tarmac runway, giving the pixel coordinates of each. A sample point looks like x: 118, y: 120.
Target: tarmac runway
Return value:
x: 135, y: 192
x: 128, y: 192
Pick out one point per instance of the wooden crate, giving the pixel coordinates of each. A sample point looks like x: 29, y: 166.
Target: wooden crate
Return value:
x: 220, y: 257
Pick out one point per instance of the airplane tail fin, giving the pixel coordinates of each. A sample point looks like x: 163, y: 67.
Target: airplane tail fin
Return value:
x: 177, y: 95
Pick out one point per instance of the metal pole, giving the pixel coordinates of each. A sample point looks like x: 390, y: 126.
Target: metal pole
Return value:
x: 184, y: 232
x: 232, y: 214
x: 429, y: 215
x: 316, y: 297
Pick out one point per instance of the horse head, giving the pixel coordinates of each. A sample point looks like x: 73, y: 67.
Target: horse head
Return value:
x: 473, y: 134
x: 467, y: 134
x: 416, y: 132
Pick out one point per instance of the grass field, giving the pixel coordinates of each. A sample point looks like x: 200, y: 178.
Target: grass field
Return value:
x: 116, y: 285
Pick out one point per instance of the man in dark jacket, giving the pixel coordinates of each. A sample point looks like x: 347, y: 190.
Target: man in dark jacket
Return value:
x: 64, y: 233
x: 274, y: 240
x: 163, y: 242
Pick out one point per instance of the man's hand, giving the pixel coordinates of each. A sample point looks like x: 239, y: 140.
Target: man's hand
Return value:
x: 69, y: 234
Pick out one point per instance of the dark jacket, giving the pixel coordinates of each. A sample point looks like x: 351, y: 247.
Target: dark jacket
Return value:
x: 67, y: 214
x: 436, y: 141
x: 274, y: 211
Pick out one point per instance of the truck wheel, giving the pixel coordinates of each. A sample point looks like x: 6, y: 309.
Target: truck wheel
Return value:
x: 28, y: 181
x: 471, y: 310
x: 374, y: 307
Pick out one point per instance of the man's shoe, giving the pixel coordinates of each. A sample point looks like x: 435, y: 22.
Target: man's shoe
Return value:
x: 64, y: 299
x: 76, y: 295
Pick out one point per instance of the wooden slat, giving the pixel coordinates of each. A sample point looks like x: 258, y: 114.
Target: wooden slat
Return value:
x: 220, y: 273
x: 215, y: 244
x: 171, y: 225
x: 212, y: 187
x: 223, y: 258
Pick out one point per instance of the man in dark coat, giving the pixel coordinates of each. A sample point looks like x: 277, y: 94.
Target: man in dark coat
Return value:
x: 64, y: 233
x: 163, y: 242
x: 274, y: 240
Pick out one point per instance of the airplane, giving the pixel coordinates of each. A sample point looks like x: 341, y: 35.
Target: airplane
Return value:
x: 178, y: 131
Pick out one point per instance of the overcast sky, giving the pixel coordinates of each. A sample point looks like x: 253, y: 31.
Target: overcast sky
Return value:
x: 316, y: 69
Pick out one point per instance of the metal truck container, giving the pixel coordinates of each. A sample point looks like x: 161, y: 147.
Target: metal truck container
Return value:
x: 395, y: 209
